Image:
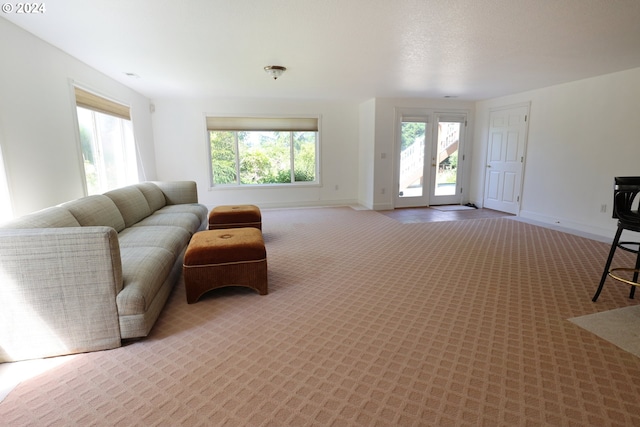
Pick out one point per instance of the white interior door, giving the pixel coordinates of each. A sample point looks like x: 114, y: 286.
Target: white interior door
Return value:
x: 505, y: 158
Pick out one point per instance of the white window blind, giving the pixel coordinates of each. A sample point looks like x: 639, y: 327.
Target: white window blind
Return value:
x: 297, y: 124
x: 97, y: 103
x: 416, y: 119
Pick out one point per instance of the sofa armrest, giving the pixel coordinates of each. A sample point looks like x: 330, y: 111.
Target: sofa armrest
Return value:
x: 178, y: 192
x: 58, y: 290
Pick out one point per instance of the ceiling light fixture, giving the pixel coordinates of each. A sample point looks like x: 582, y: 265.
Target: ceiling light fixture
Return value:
x: 275, y: 71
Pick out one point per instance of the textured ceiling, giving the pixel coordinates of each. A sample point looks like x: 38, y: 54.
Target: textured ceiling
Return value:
x: 357, y: 49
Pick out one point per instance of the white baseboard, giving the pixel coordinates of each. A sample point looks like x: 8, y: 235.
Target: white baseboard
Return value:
x: 568, y: 226
x: 382, y: 206
x: 308, y: 204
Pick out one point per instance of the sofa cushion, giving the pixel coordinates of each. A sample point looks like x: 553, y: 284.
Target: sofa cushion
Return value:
x: 96, y: 210
x: 178, y: 192
x: 144, y: 269
x: 188, y: 221
x: 197, y: 209
x: 173, y: 239
x: 52, y: 217
x: 131, y: 203
x: 153, y: 194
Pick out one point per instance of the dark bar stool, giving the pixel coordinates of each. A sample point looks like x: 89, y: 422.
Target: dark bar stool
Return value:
x: 624, y: 192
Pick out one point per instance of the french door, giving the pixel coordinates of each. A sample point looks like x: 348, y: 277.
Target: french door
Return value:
x: 428, y: 171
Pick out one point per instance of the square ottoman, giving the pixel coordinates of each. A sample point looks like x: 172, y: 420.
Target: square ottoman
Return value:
x: 233, y: 216
x: 219, y: 258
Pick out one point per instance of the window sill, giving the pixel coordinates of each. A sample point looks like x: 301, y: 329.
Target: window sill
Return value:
x: 236, y: 187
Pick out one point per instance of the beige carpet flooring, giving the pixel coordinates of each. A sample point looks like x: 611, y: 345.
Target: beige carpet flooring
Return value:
x: 368, y: 322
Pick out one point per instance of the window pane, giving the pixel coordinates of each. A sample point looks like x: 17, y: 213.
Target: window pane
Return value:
x: 264, y: 157
x: 304, y: 156
x: 89, y: 150
x: 6, y: 211
x: 111, y: 144
x: 108, y: 150
x: 254, y: 157
x: 223, y: 157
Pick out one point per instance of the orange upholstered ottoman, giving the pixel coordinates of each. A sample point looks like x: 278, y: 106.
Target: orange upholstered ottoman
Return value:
x: 233, y: 216
x: 219, y: 258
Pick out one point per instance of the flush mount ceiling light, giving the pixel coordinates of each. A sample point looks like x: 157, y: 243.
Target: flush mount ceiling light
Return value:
x: 275, y: 71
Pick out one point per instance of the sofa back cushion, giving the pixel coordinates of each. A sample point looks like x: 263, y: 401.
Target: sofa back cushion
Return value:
x: 153, y: 194
x: 52, y: 217
x: 131, y: 203
x: 96, y: 210
x: 178, y: 192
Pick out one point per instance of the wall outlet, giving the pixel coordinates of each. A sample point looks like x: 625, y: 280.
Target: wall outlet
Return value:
x: 603, y: 208
x: 337, y: 187
x: 384, y: 190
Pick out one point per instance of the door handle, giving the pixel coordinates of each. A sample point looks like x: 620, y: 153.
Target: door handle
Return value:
x: 488, y: 166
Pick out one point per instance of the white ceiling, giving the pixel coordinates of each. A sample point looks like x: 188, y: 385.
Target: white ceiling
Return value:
x: 337, y: 49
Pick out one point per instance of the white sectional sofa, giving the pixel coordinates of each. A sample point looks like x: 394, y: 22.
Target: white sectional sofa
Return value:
x: 86, y: 274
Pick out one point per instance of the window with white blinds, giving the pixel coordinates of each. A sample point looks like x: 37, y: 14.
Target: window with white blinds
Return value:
x: 263, y: 150
x: 107, y: 142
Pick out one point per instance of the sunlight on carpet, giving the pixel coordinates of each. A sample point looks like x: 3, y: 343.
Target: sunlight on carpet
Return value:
x: 12, y: 374
x: 620, y: 327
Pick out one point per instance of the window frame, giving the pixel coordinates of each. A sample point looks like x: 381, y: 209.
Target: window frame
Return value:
x: 256, y: 119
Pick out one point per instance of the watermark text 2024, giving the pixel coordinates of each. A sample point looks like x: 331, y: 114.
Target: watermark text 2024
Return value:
x: 24, y: 8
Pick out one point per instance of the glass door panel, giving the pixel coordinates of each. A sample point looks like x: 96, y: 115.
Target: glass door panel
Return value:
x: 447, y: 158
x: 412, y: 169
x: 445, y: 187
x: 412, y: 159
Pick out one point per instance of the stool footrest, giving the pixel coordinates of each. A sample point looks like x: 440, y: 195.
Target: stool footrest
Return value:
x: 622, y: 279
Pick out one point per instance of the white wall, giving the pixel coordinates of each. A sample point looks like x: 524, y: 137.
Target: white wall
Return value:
x: 581, y: 135
x: 37, y: 120
x: 182, y: 150
x: 366, y: 152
